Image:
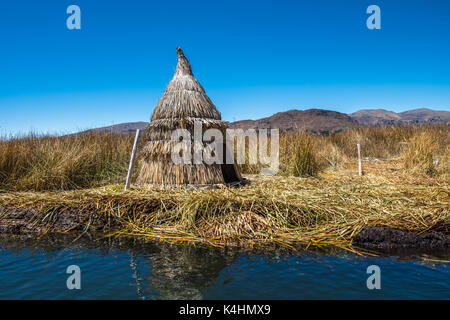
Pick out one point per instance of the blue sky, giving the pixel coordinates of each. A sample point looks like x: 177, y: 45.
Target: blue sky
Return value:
x: 254, y: 58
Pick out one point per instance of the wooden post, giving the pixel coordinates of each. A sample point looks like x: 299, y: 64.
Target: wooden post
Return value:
x: 359, y: 160
x: 133, y: 158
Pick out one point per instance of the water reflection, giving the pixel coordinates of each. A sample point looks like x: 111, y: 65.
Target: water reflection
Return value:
x: 188, y: 271
x: 159, y: 270
x: 136, y: 269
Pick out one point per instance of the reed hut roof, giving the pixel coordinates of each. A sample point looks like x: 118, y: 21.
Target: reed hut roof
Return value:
x: 184, y: 98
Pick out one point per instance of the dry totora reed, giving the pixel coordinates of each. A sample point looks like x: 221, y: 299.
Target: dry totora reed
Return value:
x: 327, y: 210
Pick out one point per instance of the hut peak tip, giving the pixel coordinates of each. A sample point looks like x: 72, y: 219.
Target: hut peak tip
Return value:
x: 183, y: 66
x: 180, y: 53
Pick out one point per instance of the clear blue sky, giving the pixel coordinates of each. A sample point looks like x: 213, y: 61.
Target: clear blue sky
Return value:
x: 254, y: 58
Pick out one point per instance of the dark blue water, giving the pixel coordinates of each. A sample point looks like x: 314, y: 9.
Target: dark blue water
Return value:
x: 129, y: 269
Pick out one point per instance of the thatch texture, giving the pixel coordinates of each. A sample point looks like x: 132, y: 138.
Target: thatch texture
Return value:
x: 183, y: 104
x: 184, y: 96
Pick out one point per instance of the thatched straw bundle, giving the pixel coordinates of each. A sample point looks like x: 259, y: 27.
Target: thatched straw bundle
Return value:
x: 184, y: 103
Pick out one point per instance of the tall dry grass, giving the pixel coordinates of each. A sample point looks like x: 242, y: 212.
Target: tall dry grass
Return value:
x: 298, y: 155
x: 306, y: 154
x: 427, y: 152
x: 36, y: 163
x: 62, y: 163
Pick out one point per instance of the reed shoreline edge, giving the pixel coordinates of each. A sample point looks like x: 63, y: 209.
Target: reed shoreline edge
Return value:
x: 373, y: 212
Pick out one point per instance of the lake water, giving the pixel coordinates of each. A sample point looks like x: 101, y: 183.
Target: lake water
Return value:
x: 131, y: 269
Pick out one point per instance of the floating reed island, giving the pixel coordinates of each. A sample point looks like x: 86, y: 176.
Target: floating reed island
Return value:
x: 74, y: 184
x: 336, y: 208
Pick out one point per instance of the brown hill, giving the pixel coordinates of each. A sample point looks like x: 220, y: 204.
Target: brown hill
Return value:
x: 375, y: 117
x: 425, y: 115
x: 125, y: 128
x: 312, y: 120
x: 383, y: 117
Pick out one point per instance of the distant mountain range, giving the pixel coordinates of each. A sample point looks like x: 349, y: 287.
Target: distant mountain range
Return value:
x: 319, y: 121
x: 384, y: 117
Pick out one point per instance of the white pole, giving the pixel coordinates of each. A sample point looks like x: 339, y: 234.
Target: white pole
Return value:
x: 133, y: 158
x: 359, y: 160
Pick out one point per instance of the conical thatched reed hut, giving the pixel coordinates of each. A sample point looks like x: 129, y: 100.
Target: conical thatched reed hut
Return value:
x: 183, y: 104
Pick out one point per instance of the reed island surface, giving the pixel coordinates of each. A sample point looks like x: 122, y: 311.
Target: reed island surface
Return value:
x: 382, y: 210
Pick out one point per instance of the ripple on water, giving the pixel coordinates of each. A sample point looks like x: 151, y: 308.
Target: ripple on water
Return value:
x: 127, y: 269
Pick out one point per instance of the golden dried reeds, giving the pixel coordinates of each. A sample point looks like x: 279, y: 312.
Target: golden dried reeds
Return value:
x: 36, y: 163
x: 61, y: 163
x: 327, y: 210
